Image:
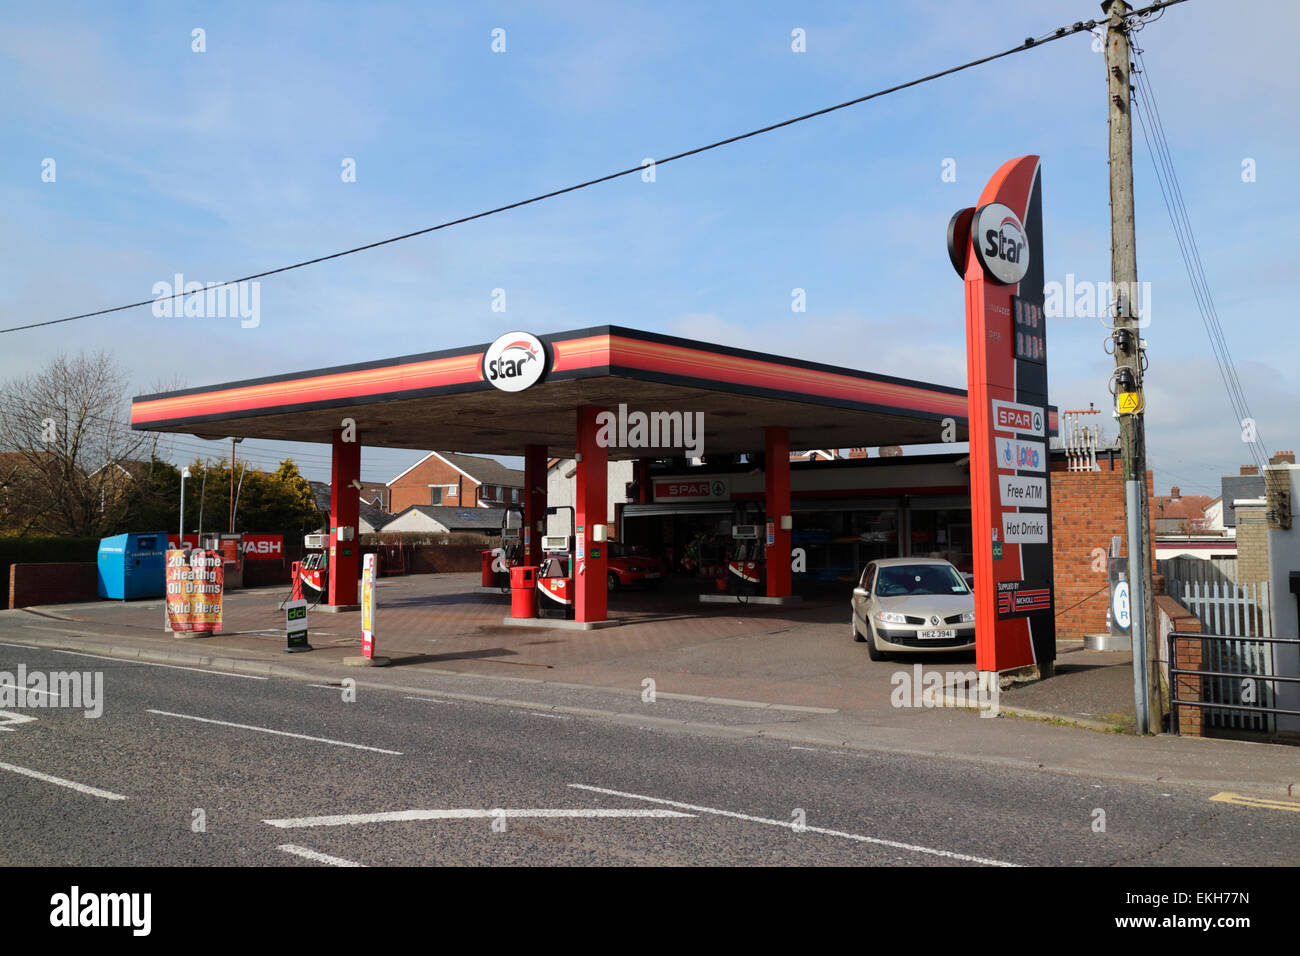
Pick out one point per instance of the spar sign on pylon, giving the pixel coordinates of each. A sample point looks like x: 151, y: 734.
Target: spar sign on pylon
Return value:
x: 997, y: 248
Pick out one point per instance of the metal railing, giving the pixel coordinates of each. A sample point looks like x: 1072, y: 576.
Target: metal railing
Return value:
x: 1220, y: 688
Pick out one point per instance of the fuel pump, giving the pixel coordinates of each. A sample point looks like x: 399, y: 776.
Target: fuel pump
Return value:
x: 745, y: 566
x: 512, y: 545
x: 311, y: 575
x: 555, y: 578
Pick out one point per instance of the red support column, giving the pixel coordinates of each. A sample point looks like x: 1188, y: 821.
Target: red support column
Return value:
x: 591, y: 501
x: 776, y: 475
x: 534, y: 502
x: 645, y: 494
x: 345, y: 510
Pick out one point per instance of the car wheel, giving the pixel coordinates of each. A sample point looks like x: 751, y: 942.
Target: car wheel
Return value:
x: 874, y: 652
x: 611, y: 581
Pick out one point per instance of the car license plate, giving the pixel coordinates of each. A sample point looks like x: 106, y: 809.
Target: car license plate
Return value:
x: 941, y: 634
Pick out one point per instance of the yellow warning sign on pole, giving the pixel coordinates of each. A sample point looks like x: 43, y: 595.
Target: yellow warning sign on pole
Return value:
x: 1129, y: 403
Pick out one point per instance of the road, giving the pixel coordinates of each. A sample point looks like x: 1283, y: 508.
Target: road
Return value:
x: 195, y: 767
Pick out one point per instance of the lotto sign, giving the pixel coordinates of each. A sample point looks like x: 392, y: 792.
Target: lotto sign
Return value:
x: 195, y: 582
x: 368, y: 606
x: 1016, y: 455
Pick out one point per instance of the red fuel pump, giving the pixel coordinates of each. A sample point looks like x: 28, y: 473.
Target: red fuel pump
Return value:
x: 555, y: 577
x: 745, y: 567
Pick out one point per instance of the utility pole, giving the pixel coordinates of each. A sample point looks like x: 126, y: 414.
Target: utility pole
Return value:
x: 232, y: 486
x: 1129, y: 358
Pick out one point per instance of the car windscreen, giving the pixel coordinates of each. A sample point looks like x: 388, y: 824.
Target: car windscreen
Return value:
x: 902, y: 580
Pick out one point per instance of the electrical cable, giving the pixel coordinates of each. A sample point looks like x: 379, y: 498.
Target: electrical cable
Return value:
x: 1175, y: 206
x: 1029, y: 43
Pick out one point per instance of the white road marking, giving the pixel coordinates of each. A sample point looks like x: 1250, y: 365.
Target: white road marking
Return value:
x: 32, y: 690
x: 124, y: 660
x: 399, y: 816
x: 789, y: 825
x: 11, y: 718
x: 318, y: 857
x: 432, y: 700
x: 538, y: 713
x: 280, y: 733
x: 70, y: 784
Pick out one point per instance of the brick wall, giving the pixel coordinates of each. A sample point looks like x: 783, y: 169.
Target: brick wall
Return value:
x: 60, y: 583
x: 1188, y: 655
x: 1087, y: 510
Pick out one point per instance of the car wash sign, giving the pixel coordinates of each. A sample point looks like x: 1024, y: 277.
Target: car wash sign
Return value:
x: 997, y: 248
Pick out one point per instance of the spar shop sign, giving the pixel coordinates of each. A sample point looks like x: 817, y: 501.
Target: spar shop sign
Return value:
x: 514, y: 362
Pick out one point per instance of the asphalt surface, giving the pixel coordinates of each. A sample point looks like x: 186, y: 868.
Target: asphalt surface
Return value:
x: 474, y: 783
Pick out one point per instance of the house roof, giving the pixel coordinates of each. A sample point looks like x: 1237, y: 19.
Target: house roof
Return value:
x: 459, y: 519
x: 486, y: 471
x: 375, y: 517
x: 1184, y: 507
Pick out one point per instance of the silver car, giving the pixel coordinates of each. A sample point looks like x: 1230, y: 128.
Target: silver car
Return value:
x: 910, y: 605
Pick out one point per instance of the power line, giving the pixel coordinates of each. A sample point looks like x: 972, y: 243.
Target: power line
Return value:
x: 1175, y: 206
x: 1029, y: 43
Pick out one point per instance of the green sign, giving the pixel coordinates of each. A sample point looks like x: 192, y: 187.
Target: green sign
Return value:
x: 595, y: 553
x: 997, y: 550
x: 295, y: 626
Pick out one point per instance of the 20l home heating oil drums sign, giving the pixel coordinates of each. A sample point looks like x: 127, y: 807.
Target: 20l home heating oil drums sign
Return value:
x: 1006, y: 356
x: 195, y: 585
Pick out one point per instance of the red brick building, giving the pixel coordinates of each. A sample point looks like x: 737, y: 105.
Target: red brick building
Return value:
x: 447, y: 478
x: 1087, y: 511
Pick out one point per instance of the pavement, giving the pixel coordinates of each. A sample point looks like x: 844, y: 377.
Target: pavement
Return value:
x: 790, y: 673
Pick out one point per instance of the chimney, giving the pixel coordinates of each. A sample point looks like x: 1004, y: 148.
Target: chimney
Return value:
x: 1250, y: 469
x: 1283, y: 458
x: 1173, y: 493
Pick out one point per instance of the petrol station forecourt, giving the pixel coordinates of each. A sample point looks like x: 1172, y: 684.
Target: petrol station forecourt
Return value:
x: 750, y: 402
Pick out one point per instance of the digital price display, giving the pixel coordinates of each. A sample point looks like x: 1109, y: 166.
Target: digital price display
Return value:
x: 1030, y: 329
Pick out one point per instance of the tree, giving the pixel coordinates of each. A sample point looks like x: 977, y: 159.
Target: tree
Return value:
x: 68, y: 448
x: 278, y: 502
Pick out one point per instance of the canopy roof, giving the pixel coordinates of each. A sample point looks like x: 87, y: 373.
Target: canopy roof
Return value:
x: 441, y: 399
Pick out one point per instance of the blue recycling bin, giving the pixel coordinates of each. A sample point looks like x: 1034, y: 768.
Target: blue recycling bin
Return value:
x: 133, y: 566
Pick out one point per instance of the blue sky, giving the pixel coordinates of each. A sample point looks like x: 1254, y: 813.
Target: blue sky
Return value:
x: 228, y: 162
